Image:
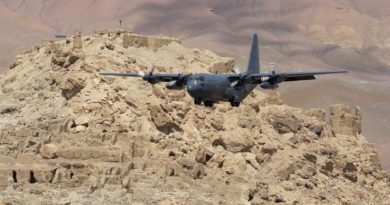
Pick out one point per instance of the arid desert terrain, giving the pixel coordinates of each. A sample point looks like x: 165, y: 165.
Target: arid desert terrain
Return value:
x: 296, y: 35
x: 70, y: 136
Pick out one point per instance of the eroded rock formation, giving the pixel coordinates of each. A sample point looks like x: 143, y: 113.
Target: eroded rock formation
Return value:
x: 70, y: 136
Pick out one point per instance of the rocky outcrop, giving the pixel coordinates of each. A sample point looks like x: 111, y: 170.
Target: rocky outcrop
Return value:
x: 224, y: 66
x: 48, y: 151
x: 71, y: 86
x: 154, y: 43
x: 81, y: 138
x: 64, y: 59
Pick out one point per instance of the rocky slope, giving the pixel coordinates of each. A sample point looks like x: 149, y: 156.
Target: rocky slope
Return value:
x: 296, y: 35
x: 69, y: 136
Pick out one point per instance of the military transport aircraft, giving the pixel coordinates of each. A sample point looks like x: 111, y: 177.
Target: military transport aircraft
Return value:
x: 234, y: 88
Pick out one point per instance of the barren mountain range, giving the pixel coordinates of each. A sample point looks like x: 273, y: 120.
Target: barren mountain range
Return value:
x: 297, y: 35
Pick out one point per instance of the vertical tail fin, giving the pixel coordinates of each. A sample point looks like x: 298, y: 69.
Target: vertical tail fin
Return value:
x: 254, y: 62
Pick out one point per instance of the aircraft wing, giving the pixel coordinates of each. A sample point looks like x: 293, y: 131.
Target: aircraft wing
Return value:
x: 289, y: 76
x: 151, y: 77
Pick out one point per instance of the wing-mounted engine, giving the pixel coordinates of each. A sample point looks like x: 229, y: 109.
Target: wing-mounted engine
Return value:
x: 150, y: 78
x: 178, y: 84
x: 268, y: 85
x: 272, y: 82
x: 174, y: 85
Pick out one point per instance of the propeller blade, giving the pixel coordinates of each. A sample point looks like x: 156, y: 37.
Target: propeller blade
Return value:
x: 122, y: 74
x: 151, y: 70
x: 233, y: 84
x: 141, y: 74
x: 236, y: 70
x: 178, y: 71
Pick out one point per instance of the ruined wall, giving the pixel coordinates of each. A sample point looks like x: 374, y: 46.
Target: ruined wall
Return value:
x: 226, y: 65
x: 152, y: 42
x: 345, y: 119
x: 77, y: 42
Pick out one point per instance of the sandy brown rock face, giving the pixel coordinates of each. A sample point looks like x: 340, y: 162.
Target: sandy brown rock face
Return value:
x: 345, y: 120
x: 70, y: 136
x: 138, y: 41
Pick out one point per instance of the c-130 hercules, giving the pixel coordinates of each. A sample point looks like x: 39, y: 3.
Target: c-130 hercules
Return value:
x: 234, y: 88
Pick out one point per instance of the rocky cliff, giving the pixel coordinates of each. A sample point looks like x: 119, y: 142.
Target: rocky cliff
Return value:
x: 69, y: 136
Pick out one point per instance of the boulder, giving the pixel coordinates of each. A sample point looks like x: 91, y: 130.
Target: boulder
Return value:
x: 269, y: 149
x: 82, y: 120
x: 72, y: 58
x: 287, y: 169
x: 284, y: 123
x: 307, y: 172
x: 49, y: 151
x: 248, y: 118
x: 71, y: 86
x: 172, y: 169
x: 216, y: 161
x: 234, y: 142
x: 310, y: 157
x: 59, y: 58
x: 162, y: 120
x: 217, y: 121
x: 350, y: 171
x: 234, y: 164
x: 203, y: 155
x: 109, y: 46
x: 7, y: 108
x: 327, y: 168
x: 199, y: 171
x: 64, y: 59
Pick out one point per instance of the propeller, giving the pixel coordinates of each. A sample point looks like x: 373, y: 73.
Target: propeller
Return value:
x: 236, y: 70
x: 233, y: 84
x: 271, y: 82
x: 140, y: 74
x: 147, y: 77
x: 151, y: 70
x: 178, y: 71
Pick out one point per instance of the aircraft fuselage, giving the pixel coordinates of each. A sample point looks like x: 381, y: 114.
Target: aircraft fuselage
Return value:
x: 216, y: 87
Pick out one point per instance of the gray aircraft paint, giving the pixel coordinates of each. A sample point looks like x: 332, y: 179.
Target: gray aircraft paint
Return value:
x: 210, y: 88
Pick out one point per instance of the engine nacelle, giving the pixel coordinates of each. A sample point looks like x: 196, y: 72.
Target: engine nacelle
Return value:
x: 268, y: 85
x: 173, y: 85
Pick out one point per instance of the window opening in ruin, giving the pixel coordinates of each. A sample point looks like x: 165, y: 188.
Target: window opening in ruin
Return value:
x: 32, y: 179
x: 14, y: 176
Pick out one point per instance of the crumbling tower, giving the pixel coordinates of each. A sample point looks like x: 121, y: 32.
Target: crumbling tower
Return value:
x: 77, y: 42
